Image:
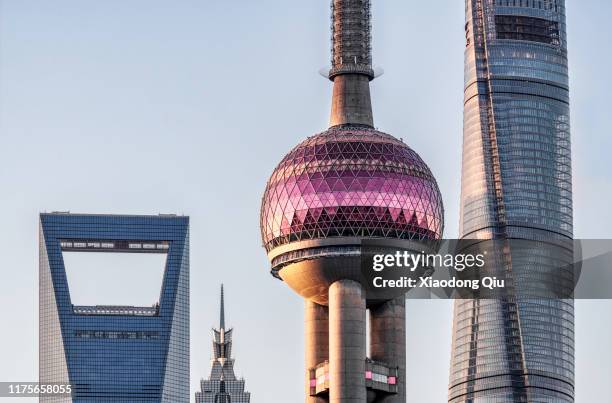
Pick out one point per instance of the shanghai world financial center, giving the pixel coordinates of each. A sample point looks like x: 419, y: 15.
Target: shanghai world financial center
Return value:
x: 115, y: 353
x: 516, y: 184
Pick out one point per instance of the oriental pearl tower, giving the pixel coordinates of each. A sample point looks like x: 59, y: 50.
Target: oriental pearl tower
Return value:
x: 330, y: 195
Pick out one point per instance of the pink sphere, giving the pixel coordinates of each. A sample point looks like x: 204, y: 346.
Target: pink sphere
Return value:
x: 351, y: 182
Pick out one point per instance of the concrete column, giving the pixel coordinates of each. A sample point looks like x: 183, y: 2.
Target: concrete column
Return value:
x: 316, y: 329
x: 388, y: 342
x: 347, y: 342
x: 351, y: 101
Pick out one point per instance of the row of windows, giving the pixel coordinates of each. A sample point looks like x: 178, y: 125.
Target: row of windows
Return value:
x: 539, y: 4
x: 527, y: 29
x: 91, y: 334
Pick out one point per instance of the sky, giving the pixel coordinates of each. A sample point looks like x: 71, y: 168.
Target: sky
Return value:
x: 185, y: 106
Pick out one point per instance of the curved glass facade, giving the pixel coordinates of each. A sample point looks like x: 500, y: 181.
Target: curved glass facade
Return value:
x: 516, y: 183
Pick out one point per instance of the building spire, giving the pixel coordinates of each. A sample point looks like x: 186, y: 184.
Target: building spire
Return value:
x: 222, y: 384
x: 351, y: 63
x: 222, y: 313
x: 222, y: 337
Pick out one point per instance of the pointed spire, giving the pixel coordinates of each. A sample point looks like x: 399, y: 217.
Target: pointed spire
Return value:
x: 351, y: 69
x: 222, y: 315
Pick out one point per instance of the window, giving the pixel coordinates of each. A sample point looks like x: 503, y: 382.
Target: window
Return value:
x: 527, y: 29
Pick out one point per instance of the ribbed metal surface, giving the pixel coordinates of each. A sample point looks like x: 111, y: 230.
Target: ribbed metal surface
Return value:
x: 351, y: 37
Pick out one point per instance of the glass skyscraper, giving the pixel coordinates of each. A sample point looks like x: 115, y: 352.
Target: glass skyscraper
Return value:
x: 115, y: 353
x: 222, y: 386
x: 516, y: 183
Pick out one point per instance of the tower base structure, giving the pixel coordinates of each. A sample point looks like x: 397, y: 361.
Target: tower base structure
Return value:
x: 316, y: 327
x: 337, y: 367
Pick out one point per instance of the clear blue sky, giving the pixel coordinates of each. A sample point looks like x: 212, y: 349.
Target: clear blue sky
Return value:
x: 147, y: 106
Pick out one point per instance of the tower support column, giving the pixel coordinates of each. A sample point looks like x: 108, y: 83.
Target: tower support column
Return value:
x: 388, y: 342
x: 316, y: 332
x: 347, y: 342
x: 351, y: 102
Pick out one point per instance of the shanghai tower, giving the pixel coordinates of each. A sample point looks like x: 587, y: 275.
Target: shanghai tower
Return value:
x: 328, y: 197
x: 516, y: 184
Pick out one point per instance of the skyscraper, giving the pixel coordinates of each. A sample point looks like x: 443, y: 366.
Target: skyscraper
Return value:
x: 516, y: 183
x: 331, y: 195
x: 222, y: 386
x: 115, y: 353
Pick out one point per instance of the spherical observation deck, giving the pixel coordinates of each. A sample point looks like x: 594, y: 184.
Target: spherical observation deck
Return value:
x: 340, y: 187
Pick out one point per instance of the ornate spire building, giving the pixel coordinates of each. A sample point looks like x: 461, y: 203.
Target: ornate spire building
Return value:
x: 222, y: 386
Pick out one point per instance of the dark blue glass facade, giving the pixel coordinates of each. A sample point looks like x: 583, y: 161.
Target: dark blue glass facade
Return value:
x: 115, y: 353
